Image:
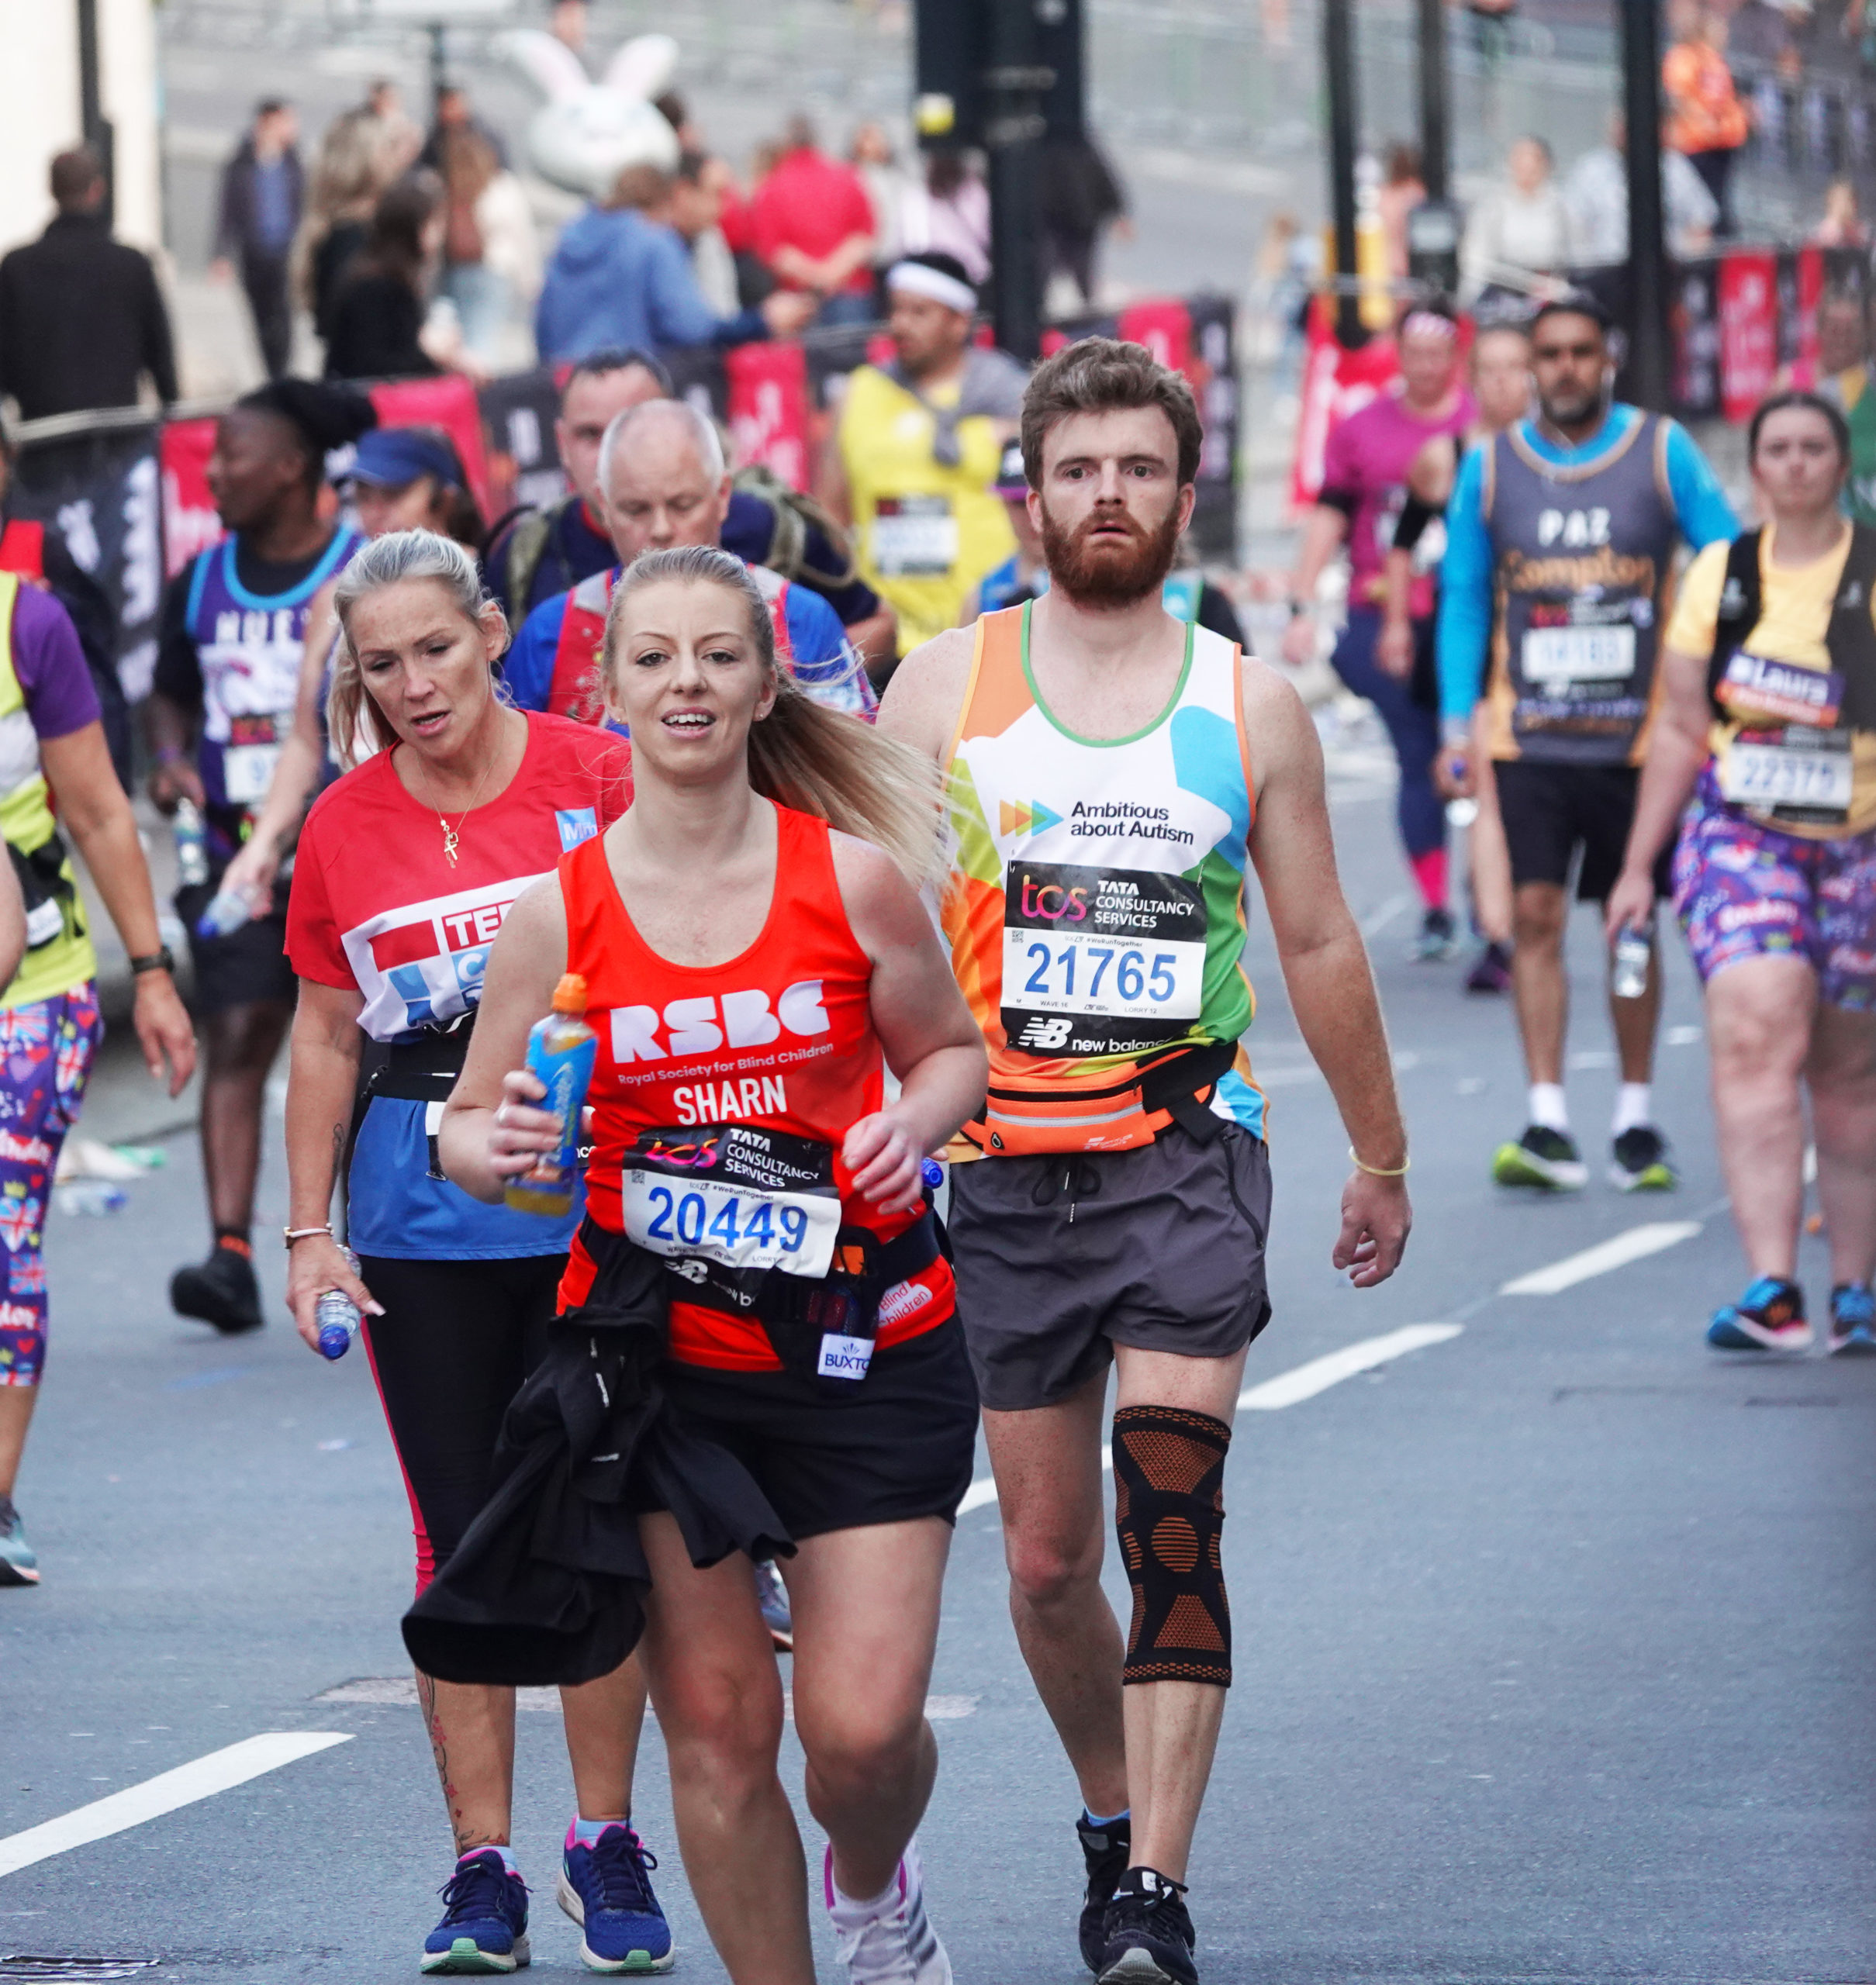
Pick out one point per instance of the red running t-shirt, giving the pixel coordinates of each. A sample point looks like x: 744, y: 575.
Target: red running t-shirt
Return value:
x: 376, y: 905
x: 737, y: 1083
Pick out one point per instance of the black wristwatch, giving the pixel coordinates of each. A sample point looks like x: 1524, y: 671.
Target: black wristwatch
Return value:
x: 162, y: 961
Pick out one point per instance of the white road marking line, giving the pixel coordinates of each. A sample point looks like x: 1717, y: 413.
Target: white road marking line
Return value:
x: 1292, y: 1388
x: 1616, y: 1252
x: 1379, y: 920
x: 1287, y: 1388
x: 218, y: 1772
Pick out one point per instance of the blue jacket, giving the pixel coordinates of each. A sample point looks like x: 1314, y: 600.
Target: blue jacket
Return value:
x: 808, y: 630
x: 617, y: 279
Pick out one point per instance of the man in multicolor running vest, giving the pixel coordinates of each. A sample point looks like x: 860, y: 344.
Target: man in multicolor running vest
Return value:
x: 1556, y: 582
x: 663, y: 481
x: 1113, y: 775
x: 228, y: 642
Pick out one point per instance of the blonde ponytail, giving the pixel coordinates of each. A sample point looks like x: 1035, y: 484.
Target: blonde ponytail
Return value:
x: 804, y: 755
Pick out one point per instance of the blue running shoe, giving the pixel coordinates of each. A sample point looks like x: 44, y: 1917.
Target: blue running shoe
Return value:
x: 1853, y: 1319
x: 1768, y: 1317
x: 18, y: 1565
x: 484, y: 1919
x: 606, y: 1890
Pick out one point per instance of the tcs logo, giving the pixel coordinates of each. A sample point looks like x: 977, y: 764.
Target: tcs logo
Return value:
x: 1576, y: 530
x: 1052, y: 902
x: 701, y: 1026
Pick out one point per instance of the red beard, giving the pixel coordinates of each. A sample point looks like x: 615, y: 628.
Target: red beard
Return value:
x: 1109, y: 572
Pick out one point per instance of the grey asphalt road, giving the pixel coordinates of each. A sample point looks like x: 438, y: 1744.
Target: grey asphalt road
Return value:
x: 1553, y: 1637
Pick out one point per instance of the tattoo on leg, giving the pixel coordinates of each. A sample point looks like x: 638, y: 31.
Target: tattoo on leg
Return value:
x: 467, y: 1838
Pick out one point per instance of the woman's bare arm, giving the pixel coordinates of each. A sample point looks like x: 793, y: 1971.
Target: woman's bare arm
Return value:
x: 931, y: 1043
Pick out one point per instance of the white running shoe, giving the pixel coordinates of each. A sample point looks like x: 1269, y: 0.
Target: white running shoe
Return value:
x: 891, y: 1942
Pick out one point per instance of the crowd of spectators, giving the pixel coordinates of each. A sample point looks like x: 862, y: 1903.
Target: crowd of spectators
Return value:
x: 413, y: 251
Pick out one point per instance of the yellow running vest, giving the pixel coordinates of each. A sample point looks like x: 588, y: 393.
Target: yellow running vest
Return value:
x: 927, y: 533
x: 64, y: 960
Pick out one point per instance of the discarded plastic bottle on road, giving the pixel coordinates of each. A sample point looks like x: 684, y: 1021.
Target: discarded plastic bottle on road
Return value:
x: 1629, y: 975
x: 191, y: 845
x: 227, y: 911
x: 96, y: 1197
x: 337, y: 1316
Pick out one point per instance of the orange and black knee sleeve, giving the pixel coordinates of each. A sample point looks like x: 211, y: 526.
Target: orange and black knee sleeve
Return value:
x: 1168, y: 1492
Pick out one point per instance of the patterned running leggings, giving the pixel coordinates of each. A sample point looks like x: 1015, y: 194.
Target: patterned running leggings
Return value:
x: 46, y: 1051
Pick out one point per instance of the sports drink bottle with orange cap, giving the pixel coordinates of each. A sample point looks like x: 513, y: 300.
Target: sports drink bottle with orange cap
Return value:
x: 560, y: 1052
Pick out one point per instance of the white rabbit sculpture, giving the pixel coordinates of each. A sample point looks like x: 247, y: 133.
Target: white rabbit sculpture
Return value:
x: 587, y: 134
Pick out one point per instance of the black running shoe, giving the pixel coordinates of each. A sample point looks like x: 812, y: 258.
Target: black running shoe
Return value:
x: 1105, y: 1849
x: 1544, y: 1158
x: 1492, y: 973
x: 1149, y: 1936
x: 222, y: 1291
x: 1641, y: 1163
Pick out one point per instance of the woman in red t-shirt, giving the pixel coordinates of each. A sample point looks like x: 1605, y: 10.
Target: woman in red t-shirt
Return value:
x: 755, y: 957
x: 405, y: 871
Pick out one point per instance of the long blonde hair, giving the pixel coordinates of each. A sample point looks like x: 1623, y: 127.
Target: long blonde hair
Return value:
x: 351, y: 711
x: 803, y: 754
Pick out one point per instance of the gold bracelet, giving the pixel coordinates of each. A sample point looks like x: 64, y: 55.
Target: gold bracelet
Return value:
x: 1381, y: 1171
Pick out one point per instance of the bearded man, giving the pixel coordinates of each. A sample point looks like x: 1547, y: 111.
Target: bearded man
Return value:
x: 1114, y: 774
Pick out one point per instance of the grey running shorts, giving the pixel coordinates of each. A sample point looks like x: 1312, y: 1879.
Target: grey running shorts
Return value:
x: 1060, y: 1258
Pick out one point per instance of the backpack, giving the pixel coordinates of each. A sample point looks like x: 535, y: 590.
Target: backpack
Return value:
x: 792, y: 512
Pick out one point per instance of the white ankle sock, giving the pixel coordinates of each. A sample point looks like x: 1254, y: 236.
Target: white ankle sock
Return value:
x: 1634, y: 1107
x: 848, y: 1909
x: 1548, y: 1107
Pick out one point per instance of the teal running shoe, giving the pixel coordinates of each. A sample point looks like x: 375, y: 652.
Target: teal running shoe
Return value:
x: 1853, y: 1319
x: 18, y: 1565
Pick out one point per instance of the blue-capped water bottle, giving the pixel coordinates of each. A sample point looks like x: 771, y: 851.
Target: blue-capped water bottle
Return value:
x: 228, y: 911
x: 337, y: 1316
x: 932, y: 1173
x: 560, y: 1052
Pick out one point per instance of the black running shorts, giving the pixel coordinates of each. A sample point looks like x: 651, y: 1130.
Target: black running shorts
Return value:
x: 899, y: 1444
x: 249, y: 964
x: 1549, y: 811
x: 1060, y: 1258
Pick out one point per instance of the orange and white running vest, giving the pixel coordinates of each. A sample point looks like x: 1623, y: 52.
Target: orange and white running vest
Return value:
x: 1095, y: 907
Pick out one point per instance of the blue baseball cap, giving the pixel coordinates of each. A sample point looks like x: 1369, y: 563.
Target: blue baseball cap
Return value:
x: 394, y: 457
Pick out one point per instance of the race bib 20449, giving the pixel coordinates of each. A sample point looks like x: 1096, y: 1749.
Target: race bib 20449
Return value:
x: 734, y: 1194
x: 1100, y: 961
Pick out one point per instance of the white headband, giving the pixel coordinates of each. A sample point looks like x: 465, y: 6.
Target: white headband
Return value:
x: 922, y: 280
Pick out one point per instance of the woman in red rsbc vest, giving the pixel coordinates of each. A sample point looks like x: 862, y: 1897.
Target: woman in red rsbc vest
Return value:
x: 756, y: 955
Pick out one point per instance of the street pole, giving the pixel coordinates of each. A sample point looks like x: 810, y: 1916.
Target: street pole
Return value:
x: 1015, y: 80
x: 94, y: 128
x: 1436, y: 142
x: 1648, y: 367
x: 1338, y: 72
x: 439, y: 66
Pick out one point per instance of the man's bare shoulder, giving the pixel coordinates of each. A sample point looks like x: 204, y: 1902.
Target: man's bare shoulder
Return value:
x: 924, y: 698
x: 1277, y: 729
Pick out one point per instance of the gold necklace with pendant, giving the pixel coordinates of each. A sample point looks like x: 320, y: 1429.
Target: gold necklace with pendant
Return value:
x: 452, y: 837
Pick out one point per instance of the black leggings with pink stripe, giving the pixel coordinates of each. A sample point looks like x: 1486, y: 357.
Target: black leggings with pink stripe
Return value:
x: 455, y: 1341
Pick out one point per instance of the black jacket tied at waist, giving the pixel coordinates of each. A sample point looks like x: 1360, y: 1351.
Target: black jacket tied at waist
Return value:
x: 549, y: 1584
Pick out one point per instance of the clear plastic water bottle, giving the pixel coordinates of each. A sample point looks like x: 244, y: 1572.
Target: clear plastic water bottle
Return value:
x: 94, y: 1197
x: 191, y: 845
x: 1629, y: 972
x: 227, y: 911
x: 337, y: 1316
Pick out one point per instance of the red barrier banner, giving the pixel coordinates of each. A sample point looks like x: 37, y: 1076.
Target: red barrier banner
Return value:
x: 1748, y: 332
x: 769, y: 408
x: 1335, y: 384
x: 448, y: 402
x: 189, y: 522
x: 1164, y: 325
